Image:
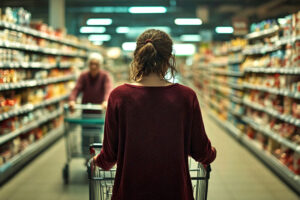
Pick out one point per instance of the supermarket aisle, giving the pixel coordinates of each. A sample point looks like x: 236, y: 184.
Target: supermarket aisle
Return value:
x: 237, y: 175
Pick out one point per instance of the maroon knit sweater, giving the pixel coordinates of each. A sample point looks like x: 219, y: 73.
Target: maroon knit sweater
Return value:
x: 94, y: 89
x: 150, y: 132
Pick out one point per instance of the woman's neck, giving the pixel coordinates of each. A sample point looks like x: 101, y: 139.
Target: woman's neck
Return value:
x: 153, y: 80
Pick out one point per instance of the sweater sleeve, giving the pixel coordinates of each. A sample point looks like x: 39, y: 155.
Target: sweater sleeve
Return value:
x: 77, y: 89
x: 108, y: 86
x: 108, y: 155
x: 201, y: 149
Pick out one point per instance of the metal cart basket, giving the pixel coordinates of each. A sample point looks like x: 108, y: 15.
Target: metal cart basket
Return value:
x: 101, y: 182
x: 83, y: 126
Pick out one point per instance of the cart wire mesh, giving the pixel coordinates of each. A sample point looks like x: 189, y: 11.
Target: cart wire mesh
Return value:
x: 101, y: 182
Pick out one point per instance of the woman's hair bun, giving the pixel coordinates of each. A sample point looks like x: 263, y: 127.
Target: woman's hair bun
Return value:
x: 153, y: 54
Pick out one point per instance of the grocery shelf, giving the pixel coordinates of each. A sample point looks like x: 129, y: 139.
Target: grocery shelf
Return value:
x: 37, y: 49
x: 30, y: 152
x: 236, y: 99
x: 35, y: 83
x: 29, y: 107
x: 292, y: 179
x: 219, y: 82
x: 269, y: 70
x: 216, y: 65
x: 237, y: 61
x: 27, y: 65
x: 232, y: 111
x: 219, y: 88
x: 226, y: 125
x: 235, y: 86
x: 30, y: 126
x: 215, y: 105
x: 263, y: 33
x: 287, y: 118
x: 260, y: 50
x: 235, y: 49
x: 287, y: 40
x: 273, y: 163
x: 228, y: 73
x: 39, y: 34
x: 273, y: 135
x: 283, y: 92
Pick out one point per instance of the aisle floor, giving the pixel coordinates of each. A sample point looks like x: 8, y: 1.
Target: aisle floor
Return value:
x: 236, y: 175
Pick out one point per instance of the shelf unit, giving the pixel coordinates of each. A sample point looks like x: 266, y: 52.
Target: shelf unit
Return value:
x: 37, y: 49
x: 30, y: 126
x: 242, y: 116
x: 29, y: 107
x: 287, y: 118
x: 288, y: 72
x: 39, y: 34
x: 16, y: 163
x: 268, y: 159
x: 282, y: 92
x: 263, y: 33
x: 275, y: 70
x: 35, y: 83
x: 61, y: 59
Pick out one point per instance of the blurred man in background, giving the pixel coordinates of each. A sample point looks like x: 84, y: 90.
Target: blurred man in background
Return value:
x: 94, y: 84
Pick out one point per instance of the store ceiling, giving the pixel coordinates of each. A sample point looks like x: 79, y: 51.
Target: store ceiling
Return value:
x: 212, y: 12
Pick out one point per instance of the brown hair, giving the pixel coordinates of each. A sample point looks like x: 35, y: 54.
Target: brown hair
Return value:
x: 153, y: 54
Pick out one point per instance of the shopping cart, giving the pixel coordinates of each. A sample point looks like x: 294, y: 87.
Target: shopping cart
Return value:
x: 101, y: 182
x: 83, y: 126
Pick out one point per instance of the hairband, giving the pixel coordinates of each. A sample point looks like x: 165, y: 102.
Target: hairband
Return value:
x: 149, y: 40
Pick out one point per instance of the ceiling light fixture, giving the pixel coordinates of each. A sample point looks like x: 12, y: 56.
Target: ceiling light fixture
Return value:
x: 99, y: 37
x: 147, y: 9
x: 92, y: 29
x: 188, y: 21
x: 184, y: 49
x: 99, y: 21
x: 224, y: 30
x: 122, y: 29
x: 190, y: 38
x: 129, y: 46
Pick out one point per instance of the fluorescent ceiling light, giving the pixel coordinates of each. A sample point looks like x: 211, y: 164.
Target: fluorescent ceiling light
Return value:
x: 99, y: 37
x: 92, y: 29
x: 136, y: 31
x: 188, y: 21
x: 99, y: 21
x: 147, y: 9
x: 122, y: 29
x: 129, y: 46
x: 224, y: 29
x: 184, y: 49
x: 190, y: 38
x: 106, y: 9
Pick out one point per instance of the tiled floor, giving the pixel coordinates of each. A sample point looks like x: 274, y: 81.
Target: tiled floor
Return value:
x: 236, y: 175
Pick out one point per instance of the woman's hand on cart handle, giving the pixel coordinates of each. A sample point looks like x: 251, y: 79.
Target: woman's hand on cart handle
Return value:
x: 104, y: 105
x: 93, y: 146
x: 94, y: 161
x: 72, y: 105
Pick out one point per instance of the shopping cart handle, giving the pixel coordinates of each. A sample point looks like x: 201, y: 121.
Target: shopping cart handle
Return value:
x: 95, y: 107
x: 95, y: 146
x: 208, y: 170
